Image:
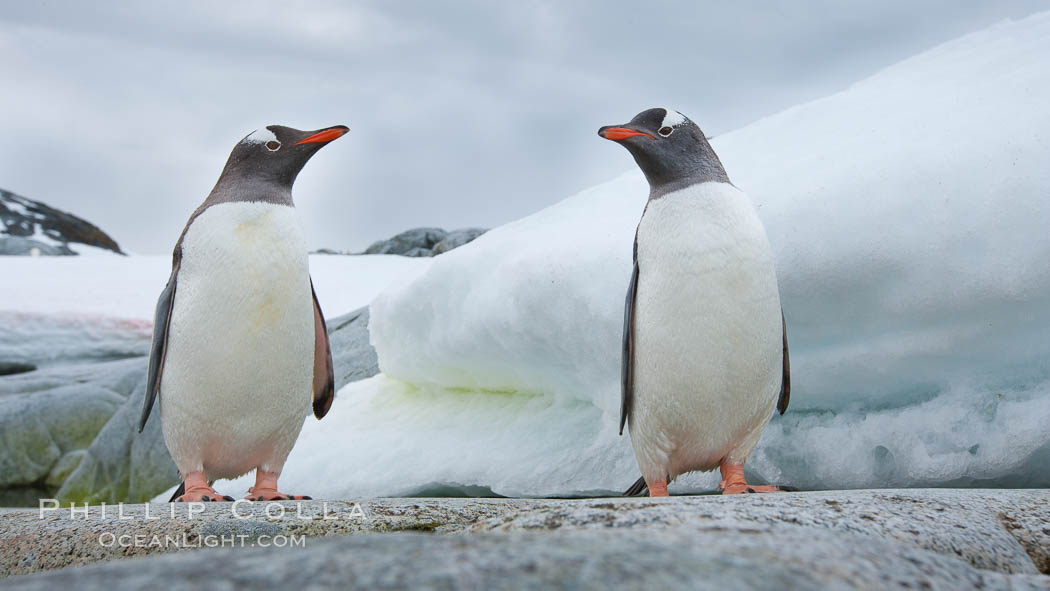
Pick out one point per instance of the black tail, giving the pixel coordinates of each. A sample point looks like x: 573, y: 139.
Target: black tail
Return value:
x: 178, y: 492
x: 639, y: 488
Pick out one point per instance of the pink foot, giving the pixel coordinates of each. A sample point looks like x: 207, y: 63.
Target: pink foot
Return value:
x: 658, y: 489
x: 265, y: 489
x: 733, y: 482
x: 197, y: 490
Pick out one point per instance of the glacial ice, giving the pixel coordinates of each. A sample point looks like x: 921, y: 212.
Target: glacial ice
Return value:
x: 909, y: 217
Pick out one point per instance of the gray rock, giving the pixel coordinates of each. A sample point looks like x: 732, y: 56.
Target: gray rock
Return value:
x: 39, y: 428
x: 19, y: 246
x: 353, y: 357
x: 417, y: 252
x: 43, y: 340
x: 957, y: 522
x: 49, y: 417
x: 122, y: 465
x: 457, y: 238
x: 10, y: 368
x: 59, y: 431
x: 964, y: 529
x: 613, y: 545
x: 26, y: 224
x: 31, y: 542
x: 414, y: 242
x: 418, y: 242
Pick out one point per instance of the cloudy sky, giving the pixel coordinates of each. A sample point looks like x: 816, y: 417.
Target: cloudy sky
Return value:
x: 460, y: 113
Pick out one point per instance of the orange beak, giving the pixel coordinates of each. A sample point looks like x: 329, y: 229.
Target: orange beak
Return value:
x: 620, y: 133
x: 324, y: 136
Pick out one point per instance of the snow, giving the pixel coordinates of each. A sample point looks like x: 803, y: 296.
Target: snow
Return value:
x: 908, y: 215
x: 127, y: 287
x: 75, y: 309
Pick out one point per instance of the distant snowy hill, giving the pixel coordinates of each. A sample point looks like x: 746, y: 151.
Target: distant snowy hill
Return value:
x: 908, y: 215
x: 31, y: 227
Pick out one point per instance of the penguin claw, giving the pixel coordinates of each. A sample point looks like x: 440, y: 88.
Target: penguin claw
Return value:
x: 277, y: 496
x: 265, y: 489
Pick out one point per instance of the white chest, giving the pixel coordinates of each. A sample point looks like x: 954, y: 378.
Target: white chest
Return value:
x: 704, y: 250
x: 240, y: 340
x: 707, y: 328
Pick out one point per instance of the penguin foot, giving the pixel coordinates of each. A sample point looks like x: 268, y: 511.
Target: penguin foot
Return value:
x: 658, y: 489
x: 265, y: 489
x: 733, y: 482
x: 257, y: 494
x: 196, y: 490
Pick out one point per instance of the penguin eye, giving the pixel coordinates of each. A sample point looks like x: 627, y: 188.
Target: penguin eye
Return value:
x: 665, y: 131
x: 273, y: 145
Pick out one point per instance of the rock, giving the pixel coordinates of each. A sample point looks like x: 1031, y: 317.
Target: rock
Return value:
x: 43, y: 340
x: 49, y: 417
x: 353, y: 357
x: 39, y: 428
x: 409, y: 241
x: 457, y: 238
x: 816, y: 540
x: 29, y: 543
x: 29, y: 225
x: 122, y: 465
x: 423, y: 242
x: 19, y: 246
x: 563, y: 560
x: 960, y: 522
x: 10, y: 368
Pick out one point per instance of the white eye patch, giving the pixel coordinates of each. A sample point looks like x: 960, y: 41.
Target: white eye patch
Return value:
x: 672, y: 118
x: 260, y: 136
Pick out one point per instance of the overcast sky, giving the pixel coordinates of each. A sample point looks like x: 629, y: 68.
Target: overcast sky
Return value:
x: 460, y: 113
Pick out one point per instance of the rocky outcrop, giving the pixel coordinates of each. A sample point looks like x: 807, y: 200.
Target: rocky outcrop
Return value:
x: 50, y: 417
x: 71, y: 431
x: 884, y: 539
x: 30, y: 227
x: 42, y: 340
x: 424, y: 242
x: 457, y: 238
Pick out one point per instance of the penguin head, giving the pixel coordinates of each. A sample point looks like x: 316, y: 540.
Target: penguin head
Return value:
x: 276, y: 153
x: 670, y: 149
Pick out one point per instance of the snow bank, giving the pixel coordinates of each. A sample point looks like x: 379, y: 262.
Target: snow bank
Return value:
x: 909, y: 217
x: 127, y: 287
x: 64, y: 309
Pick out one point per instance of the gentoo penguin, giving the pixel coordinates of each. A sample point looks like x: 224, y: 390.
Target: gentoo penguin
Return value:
x: 705, y: 357
x: 240, y: 349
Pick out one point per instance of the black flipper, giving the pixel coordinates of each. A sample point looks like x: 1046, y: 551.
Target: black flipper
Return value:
x: 639, y: 488
x: 178, y: 492
x: 324, y: 374
x: 159, y: 349
x: 785, y: 382
x: 627, y: 358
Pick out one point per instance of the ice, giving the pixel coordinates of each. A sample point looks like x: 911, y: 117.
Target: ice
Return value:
x: 908, y: 215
